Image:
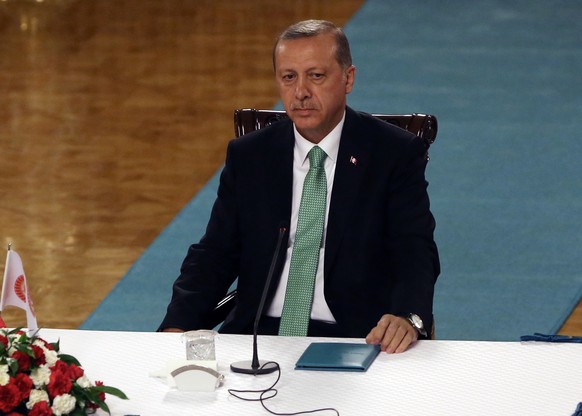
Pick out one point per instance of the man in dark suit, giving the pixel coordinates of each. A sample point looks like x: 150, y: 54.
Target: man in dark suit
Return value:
x: 378, y: 262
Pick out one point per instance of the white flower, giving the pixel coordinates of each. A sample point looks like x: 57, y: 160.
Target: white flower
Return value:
x: 63, y: 404
x: 84, y: 382
x: 38, y: 343
x: 50, y: 355
x: 4, y: 376
x: 35, y: 397
x: 40, y: 376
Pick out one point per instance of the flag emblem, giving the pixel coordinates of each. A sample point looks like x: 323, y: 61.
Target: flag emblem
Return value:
x: 20, y: 288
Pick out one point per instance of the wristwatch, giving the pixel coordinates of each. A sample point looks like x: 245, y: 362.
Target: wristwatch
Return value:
x: 416, y: 323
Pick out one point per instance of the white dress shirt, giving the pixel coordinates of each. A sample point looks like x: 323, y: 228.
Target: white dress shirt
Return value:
x: 330, y: 145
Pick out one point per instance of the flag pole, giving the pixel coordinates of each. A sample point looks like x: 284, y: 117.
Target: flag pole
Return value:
x: 2, y: 323
x: 5, y: 274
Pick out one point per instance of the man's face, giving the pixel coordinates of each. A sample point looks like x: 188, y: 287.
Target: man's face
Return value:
x: 312, y: 84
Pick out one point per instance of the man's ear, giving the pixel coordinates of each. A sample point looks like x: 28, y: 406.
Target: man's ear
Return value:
x: 350, y: 78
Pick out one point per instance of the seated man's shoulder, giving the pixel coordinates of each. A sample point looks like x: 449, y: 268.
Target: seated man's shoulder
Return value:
x: 382, y: 126
x: 382, y: 133
x: 278, y: 128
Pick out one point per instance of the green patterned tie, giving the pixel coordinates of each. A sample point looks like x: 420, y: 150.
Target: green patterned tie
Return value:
x: 305, y: 256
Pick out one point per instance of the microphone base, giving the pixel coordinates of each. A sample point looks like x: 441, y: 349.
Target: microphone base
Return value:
x: 246, y: 367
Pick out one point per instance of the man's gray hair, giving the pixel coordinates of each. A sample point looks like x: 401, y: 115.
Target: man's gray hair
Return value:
x: 310, y: 28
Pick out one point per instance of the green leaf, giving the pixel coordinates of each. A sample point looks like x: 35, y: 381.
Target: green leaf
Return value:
x: 22, y: 338
x: 78, y: 412
x: 56, y: 345
x: 103, y: 406
x: 69, y: 359
x: 89, y: 394
x: 34, y: 336
x: 14, y: 331
x: 26, y: 349
x: 13, y: 366
x: 111, y: 390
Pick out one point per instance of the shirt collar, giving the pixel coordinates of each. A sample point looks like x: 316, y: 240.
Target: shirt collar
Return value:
x: 329, y: 144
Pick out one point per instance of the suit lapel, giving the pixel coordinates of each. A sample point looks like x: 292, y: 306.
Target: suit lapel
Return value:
x: 279, y: 189
x: 353, y: 158
x: 280, y: 174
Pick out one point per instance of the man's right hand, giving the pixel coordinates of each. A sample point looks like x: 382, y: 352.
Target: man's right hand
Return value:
x: 394, y: 334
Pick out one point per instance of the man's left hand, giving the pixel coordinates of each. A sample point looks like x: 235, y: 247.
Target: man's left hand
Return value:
x: 393, y: 333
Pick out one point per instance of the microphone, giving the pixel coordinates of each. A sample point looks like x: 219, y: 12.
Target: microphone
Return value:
x: 254, y: 366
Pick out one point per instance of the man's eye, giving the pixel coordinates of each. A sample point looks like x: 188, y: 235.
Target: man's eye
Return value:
x: 316, y: 75
x: 288, y: 77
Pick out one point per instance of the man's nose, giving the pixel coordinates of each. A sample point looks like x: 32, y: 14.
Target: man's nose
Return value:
x: 302, y: 89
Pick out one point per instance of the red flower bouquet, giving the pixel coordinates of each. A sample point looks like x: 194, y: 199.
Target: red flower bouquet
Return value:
x: 37, y: 380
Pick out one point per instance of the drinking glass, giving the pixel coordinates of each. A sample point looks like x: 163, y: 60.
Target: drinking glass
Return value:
x: 200, y: 344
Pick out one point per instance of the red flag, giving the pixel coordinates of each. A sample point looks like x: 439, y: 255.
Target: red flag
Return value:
x: 15, y: 289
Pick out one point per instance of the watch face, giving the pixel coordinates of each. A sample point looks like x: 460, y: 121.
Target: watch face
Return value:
x: 417, y: 322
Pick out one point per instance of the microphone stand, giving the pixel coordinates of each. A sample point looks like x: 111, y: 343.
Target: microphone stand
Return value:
x: 255, y: 366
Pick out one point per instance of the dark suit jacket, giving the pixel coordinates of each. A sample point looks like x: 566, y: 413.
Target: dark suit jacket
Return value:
x: 380, y: 254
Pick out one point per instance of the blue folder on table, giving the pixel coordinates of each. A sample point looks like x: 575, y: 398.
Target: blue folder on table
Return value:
x: 337, y: 356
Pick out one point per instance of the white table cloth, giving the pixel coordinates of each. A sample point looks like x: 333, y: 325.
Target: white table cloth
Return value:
x: 431, y: 378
